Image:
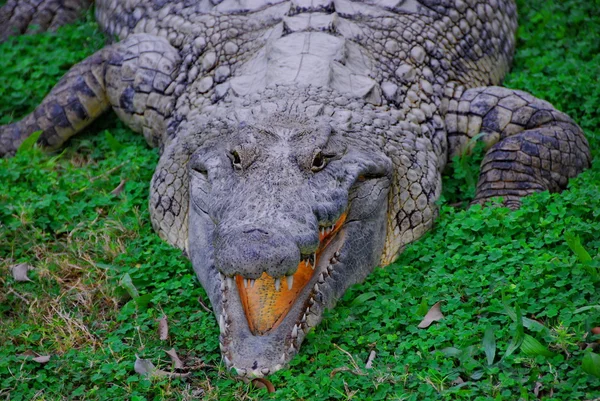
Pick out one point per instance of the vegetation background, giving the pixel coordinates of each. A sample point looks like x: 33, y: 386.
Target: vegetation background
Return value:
x: 519, y: 290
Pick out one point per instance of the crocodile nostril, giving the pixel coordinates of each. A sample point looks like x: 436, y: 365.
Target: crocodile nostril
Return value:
x: 257, y: 230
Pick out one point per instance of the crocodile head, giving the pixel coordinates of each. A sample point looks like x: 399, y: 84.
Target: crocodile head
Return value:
x: 285, y: 213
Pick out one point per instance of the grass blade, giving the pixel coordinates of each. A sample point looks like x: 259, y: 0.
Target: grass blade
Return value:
x: 591, y: 364
x: 489, y: 344
x: 519, y: 334
x: 115, y: 145
x: 533, y: 347
x: 574, y: 243
x: 28, y: 143
x: 127, y: 284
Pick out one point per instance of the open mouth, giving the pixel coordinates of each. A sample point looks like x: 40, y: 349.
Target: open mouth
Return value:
x: 267, y: 300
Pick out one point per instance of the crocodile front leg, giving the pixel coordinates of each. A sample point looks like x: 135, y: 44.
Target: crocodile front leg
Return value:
x: 533, y: 146
x: 135, y: 77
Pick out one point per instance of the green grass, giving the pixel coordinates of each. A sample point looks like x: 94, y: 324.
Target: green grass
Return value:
x: 487, y: 266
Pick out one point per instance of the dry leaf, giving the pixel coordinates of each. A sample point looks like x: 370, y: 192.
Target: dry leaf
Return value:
x: 261, y: 382
x: 19, y: 271
x: 370, y: 359
x: 36, y: 357
x: 177, y: 363
x: 434, y: 314
x: 119, y: 188
x: 145, y: 367
x: 163, y: 328
x: 42, y: 359
x: 538, y: 386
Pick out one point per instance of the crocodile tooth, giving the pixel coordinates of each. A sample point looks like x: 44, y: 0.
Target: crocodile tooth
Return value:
x: 222, y: 285
x: 337, y: 254
x: 311, y: 301
x: 295, y: 331
x: 322, y: 231
x: 314, y: 259
x: 222, y: 323
x: 307, y: 310
x: 291, y: 349
x: 316, y: 287
x: 321, y: 278
x: 222, y: 347
x: 290, y: 282
x: 277, y: 284
x: 252, y: 281
x: 329, y: 269
x: 265, y: 371
x: 229, y: 282
x: 282, y: 359
x: 221, y: 276
x: 303, y: 320
x: 241, y: 371
x: 227, y: 361
x: 332, y: 227
x: 245, y: 283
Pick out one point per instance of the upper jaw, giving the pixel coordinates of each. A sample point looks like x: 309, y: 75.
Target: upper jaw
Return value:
x: 257, y: 356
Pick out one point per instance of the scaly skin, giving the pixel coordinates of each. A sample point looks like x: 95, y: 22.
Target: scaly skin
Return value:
x: 304, y: 132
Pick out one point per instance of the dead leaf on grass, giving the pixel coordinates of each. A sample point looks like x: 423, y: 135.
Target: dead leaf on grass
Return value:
x: 163, y: 328
x: 537, y: 388
x: 434, y: 315
x: 369, y: 364
x: 145, y: 367
x: 42, y: 359
x: 119, y: 188
x: 261, y: 382
x: 177, y: 363
x: 19, y: 272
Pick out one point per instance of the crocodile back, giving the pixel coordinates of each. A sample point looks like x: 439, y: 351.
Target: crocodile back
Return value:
x: 374, y: 49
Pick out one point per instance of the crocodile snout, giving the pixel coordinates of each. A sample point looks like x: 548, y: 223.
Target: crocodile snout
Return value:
x: 250, y: 251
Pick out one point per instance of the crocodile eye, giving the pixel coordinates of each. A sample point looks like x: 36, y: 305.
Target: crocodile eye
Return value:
x: 236, y: 161
x: 318, y: 162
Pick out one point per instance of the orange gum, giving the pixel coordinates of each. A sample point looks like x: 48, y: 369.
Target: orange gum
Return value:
x: 265, y: 307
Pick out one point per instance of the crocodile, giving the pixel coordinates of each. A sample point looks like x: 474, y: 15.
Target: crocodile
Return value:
x: 302, y: 142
